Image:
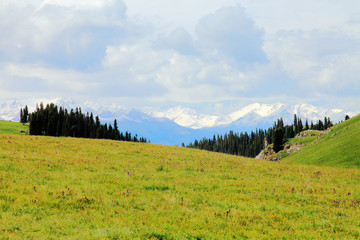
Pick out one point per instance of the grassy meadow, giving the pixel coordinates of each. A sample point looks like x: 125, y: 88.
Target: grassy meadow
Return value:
x: 66, y: 188
x: 7, y: 127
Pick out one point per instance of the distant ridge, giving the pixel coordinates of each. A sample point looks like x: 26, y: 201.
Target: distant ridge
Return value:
x: 255, y: 112
x: 181, y: 125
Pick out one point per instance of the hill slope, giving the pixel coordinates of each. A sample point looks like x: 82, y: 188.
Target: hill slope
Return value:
x: 338, y: 147
x: 98, y: 189
x: 12, y: 127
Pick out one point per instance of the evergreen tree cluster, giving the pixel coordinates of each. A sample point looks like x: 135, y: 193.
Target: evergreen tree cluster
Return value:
x: 251, y: 145
x: 243, y: 144
x: 24, y: 115
x: 54, y: 121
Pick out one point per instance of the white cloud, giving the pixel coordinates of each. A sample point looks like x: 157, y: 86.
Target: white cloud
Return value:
x: 229, y: 32
x: 137, y: 58
x: 35, y: 78
x: 325, y: 62
x: 64, y: 33
x: 203, y: 51
x: 168, y: 15
x: 183, y: 67
x: 178, y: 40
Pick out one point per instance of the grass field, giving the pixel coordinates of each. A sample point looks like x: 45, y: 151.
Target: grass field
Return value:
x: 305, y: 140
x: 340, y: 147
x: 7, y: 127
x: 65, y: 188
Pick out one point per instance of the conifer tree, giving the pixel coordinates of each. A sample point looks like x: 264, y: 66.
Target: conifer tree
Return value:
x: 306, y: 125
x: 278, y: 139
x: 300, y: 125
x: 24, y: 115
x: 296, y: 124
x: 51, y: 121
x: 21, y: 115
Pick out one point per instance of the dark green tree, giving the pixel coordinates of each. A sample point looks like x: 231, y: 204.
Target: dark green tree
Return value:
x: 51, y: 121
x: 306, y: 125
x: 278, y: 139
x: 24, y: 115
x: 296, y: 128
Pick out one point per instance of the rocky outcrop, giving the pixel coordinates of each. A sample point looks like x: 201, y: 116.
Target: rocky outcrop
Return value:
x: 307, y: 133
x: 269, y: 154
x: 266, y: 154
x: 334, y: 134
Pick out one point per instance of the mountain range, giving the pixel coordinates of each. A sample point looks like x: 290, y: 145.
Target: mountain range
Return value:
x: 182, y: 125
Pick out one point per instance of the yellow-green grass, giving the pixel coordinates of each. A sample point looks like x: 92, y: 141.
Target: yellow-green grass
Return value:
x: 339, y: 147
x: 65, y: 188
x: 12, y: 127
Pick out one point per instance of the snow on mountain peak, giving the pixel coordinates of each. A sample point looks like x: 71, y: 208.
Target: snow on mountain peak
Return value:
x: 253, y: 114
x: 187, y: 117
x: 263, y: 110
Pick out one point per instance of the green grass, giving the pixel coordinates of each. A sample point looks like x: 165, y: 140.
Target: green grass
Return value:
x: 7, y: 127
x: 340, y: 147
x: 302, y: 141
x: 305, y: 140
x: 65, y: 188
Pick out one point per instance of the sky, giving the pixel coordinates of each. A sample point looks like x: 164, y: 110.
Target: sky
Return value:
x: 214, y: 56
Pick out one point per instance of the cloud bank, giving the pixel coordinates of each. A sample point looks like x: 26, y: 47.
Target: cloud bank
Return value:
x: 96, y: 50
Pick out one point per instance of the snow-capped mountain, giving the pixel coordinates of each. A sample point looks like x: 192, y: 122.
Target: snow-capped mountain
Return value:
x: 178, y: 124
x: 262, y: 110
x: 251, y: 115
x: 187, y: 117
x: 190, y: 118
x: 10, y: 108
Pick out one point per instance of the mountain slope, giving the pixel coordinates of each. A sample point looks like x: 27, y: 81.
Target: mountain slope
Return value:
x: 338, y: 147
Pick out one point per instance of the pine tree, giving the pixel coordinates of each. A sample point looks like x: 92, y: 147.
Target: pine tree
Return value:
x: 300, y: 125
x: 320, y: 125
x: 325, y: 123
x: 329, y: 123
x: 21, y: 115
x: 92, y: 126
x: 296, y: 124
x: 116, y: 131
x: 278, y: 139
x: 26, y: 114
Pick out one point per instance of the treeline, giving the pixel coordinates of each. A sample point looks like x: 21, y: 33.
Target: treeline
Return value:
x: 242, y: 144
x: 250, y: 145
x: 54, y: 121
x: 279, y: 133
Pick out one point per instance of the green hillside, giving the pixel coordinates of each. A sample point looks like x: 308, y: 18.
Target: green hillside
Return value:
x: 12, y: 127
x: 338, y: 147
x: 66, y: 188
